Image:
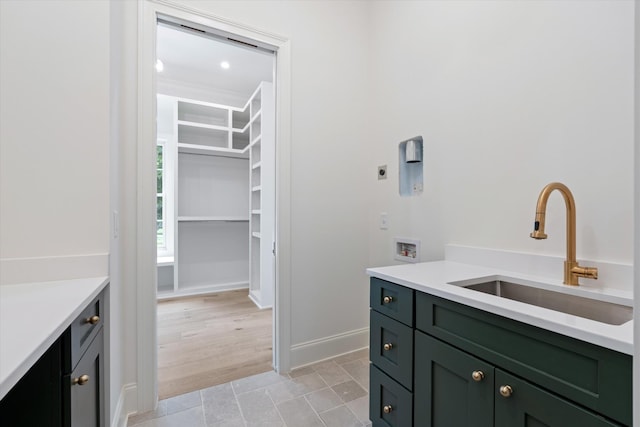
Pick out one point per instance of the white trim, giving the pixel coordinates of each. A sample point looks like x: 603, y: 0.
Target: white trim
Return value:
x: 256, y: 300
x: 146, y: 252
x: 52, y: 268
x: 126, y: 406
x: 328, y: 347
x: 146, y: 273
x: 636, y: 241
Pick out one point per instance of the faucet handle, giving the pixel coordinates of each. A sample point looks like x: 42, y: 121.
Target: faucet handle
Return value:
x: 588, y: 272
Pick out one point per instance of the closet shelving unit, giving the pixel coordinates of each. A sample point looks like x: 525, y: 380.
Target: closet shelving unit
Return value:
x: 262, y: 195
x: 218, y: 239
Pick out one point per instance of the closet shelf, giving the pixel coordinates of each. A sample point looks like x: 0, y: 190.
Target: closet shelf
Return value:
x: 256, y: 165
x: 256, y: 212
x: 212, y: 218
x: 256, y: 234
x: 202, y: 125
x: 257, y: 188
x: 241, y: 130
x: 212, y: 151
x: 256, y: 140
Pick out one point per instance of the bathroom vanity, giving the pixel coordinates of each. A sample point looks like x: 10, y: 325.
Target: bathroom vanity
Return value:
x: 444, y: 354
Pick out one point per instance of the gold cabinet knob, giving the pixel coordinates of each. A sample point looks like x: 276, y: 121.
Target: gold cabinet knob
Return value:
x: 387, y: 299
x: 477, y: 375
x: 81, y: 380
x: 506, y: 390
x: 93, y: 320
x: 387, y: 409
x: 387, y: 346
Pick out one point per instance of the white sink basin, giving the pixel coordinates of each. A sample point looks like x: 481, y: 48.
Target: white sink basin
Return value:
x: 589, y: 308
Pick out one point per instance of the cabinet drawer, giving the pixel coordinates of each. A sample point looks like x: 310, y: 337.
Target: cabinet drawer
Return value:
x: 82, y: 332
x: 590, y: 375
x: 392, y: 300
x: 391, y: 348
x: 390, y: 404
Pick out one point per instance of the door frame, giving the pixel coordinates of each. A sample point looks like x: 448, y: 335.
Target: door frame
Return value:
x: 146, y: 275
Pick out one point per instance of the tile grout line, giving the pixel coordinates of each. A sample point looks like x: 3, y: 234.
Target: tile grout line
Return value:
x: 360, y: 385
x: 275, y: 406
x: 235, y: 396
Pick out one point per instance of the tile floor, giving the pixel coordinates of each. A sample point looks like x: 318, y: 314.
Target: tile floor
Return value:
x: 333, y: 393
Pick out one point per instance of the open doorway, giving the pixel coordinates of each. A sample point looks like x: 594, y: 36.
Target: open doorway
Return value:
x: 215, y: 207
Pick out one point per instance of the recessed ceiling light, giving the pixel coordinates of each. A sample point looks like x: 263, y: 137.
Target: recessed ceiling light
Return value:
x: 159, y: 66
x: 225, y: 65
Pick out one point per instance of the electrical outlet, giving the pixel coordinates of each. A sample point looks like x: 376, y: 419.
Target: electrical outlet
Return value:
x: 382, y: 172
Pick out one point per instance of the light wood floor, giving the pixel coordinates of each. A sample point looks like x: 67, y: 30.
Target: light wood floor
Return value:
x: 210, y: 340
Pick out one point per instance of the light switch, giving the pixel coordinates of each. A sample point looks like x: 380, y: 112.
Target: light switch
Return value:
x: 384, y: 221
x: 116, y: 224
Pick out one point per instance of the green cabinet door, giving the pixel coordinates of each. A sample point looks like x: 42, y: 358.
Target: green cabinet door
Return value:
x: 527, y: 405
x: 452, y: 388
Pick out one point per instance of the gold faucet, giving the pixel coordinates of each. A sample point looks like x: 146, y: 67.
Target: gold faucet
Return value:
x: 572, y: 271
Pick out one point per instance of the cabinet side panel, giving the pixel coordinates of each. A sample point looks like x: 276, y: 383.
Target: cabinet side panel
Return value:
x: 36, y: 399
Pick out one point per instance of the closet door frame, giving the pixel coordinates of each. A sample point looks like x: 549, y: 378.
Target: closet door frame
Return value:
x: 148, y: 12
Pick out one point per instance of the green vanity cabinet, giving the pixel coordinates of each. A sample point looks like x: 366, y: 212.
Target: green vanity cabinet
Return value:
x: 463, y: 359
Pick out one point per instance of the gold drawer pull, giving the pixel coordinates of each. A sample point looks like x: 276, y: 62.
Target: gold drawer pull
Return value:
x: 506, y: 390
x: 387, y: 299
x: 93, y: 320
x: 477, y: 375
x: 388, y: 346
x: 82, y: 380
x: 387, y: 409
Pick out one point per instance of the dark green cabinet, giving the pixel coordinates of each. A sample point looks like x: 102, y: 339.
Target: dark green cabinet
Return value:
x: 472, y: 368
x: 36, y: 400
x: 65, y: 387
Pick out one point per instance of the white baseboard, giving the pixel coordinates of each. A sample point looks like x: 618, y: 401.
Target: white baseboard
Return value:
x: 203, y: 290
x: 127, y: 404
x: 325, y: 348
x: 46, y: 269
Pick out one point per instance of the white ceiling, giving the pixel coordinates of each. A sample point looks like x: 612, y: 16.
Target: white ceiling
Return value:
x: 195, y: 59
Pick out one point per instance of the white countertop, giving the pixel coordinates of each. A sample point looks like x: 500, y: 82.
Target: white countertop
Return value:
x: 33, y: 316
x: 434, y: 278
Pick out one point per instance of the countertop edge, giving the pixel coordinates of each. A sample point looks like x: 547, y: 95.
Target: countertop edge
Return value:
x: 12, y: 377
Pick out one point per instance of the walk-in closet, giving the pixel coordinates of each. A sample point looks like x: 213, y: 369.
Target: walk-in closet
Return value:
x: 215, y: 204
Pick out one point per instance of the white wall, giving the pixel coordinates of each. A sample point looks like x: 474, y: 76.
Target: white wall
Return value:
x: 508, y: 96
x: 54, y: 146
